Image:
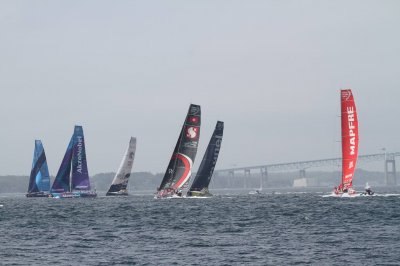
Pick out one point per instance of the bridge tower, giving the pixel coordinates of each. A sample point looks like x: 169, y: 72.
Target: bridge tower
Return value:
x: 302, y: 173
x: 231, y: 177
x: 390, y: 171
x: 246, y: 176
x: 264, y: 176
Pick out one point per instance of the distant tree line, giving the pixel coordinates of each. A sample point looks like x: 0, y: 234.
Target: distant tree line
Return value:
x: 140, y: 181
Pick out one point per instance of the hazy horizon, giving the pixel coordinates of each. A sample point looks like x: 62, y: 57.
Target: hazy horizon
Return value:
x: 271, y: 70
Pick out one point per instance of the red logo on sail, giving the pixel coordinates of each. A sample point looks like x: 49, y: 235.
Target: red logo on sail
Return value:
x: 193, y: 119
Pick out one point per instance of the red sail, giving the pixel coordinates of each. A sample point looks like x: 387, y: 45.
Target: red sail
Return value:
x: 349, y: 137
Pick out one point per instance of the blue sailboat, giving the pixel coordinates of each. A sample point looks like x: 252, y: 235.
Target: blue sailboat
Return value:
x: 39, y: 179
x: 72, y: 180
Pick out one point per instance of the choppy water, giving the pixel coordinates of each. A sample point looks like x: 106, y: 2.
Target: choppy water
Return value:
x: 267, y: 229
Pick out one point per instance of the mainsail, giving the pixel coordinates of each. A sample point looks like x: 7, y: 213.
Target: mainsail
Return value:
x: 349, y: 137
x: 206, y: 169
x: 181, y: 162
x: 120, y: 182
x: 80, y: 176
x: 39, y: 180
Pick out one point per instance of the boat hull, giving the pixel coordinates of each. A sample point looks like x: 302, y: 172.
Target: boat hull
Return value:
x: 88, y: 194
x: 199, y: 194
x: 167, y: 194
x: 37, y: 195
x: 75, y: 194
x: 116, y: 194
x: 343, y: 195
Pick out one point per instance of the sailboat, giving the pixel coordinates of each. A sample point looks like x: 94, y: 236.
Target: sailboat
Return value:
x: 39, y: 180
x: 72, y: 180
x: 257, y: 191
x: 349, y: 123
x: 368, y: 191
x: 199, y: 187
x: 180, y: 165
x: 120, y: 182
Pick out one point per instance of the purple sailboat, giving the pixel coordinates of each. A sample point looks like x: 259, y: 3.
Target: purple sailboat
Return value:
x: 72, y: 180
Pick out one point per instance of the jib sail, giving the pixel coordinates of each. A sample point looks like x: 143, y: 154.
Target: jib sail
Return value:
x: 206, y: 169
x: 39, y: 179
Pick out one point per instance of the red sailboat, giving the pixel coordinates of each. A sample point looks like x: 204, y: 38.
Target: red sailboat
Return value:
x: 349, y: 143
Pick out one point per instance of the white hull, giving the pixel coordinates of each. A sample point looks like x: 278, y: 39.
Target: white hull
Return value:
x: 170, y: 197
x: 343, y: 195
x: 198, y: 197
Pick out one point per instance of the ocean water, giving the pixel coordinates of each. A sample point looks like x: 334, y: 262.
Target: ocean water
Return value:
x: 237, y: 229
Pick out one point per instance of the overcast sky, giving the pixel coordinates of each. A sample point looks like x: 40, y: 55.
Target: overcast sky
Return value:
x: 271, y: 70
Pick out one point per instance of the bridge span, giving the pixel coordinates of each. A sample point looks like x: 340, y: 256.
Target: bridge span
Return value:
x: 388, y: 160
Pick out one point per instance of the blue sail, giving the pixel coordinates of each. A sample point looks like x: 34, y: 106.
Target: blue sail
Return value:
x: 39, y: 180
x: 62, y: 180
x: 80, y: 174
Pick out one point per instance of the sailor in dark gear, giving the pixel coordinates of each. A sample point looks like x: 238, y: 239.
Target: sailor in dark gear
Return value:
x: 369, y: 191
x: 179, y: 193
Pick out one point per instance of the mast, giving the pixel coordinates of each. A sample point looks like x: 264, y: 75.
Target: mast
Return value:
x: 349, y: 122
x: 179, y: 168
x: 70, y: 161
x: 207, y: 166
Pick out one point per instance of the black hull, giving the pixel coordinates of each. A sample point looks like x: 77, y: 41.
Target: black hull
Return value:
x: 37, y: 195
x: 88, y: 195
x: 117, y: 194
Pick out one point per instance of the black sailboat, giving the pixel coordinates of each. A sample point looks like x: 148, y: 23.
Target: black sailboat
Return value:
x: 180, y: 165
x: 200, y: 184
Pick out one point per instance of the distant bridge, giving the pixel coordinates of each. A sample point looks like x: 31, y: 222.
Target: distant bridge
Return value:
x: 387, y: 158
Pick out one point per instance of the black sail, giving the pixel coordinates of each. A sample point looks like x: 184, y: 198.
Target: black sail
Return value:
x: 206, y: 169
x: 181, y: 162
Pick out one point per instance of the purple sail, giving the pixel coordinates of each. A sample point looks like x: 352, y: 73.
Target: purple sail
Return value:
x: 80, y: 175
x: 61, y: 183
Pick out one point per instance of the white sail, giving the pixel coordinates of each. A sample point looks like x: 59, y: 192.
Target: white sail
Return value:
x: 121, y: 178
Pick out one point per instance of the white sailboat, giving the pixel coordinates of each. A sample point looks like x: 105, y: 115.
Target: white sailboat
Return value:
x: 120, y: 182
x: 258, y: 191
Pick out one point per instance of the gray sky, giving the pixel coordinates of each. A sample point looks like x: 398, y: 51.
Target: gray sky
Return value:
x: 271, y: 70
